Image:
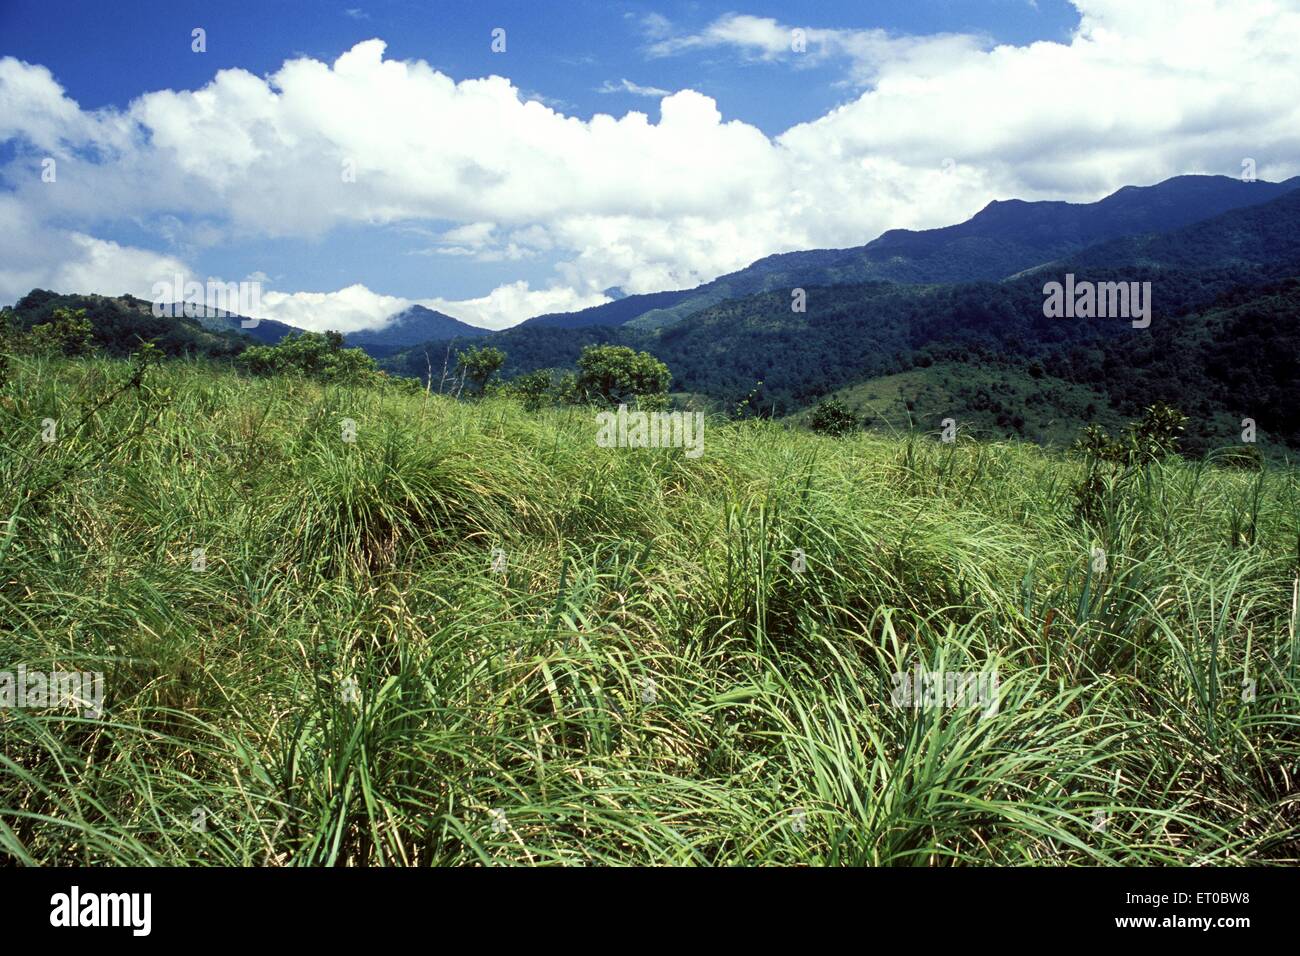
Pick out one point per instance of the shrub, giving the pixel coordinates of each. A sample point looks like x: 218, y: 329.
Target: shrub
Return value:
x: 832, y: 417
x: 478, y: 364
x: 616, y: 375
x: 1156, y: 435
x: 534, y: 389
x: 316, y: 355
x: 70, y: 333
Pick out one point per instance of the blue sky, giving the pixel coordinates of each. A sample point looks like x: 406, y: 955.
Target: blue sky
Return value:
x: 908, y: 113
x: 105, y: 54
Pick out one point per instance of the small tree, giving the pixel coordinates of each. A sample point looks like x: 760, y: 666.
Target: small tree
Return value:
x: 1156, y: 436
x: 68, y: 333
x: 616, y: 375
x: 832, y: 417
x: 565, y: 389
x: 532, y: 388
x: 480, y: 363
x: 1111, y: 464
x: 1097, y: 446
x: 1151, y: 438
x: 311, y: 353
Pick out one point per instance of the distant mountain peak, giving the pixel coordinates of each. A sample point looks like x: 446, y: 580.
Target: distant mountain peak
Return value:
x: 411, y: 326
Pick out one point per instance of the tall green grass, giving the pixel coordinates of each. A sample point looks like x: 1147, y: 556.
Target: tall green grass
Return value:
x: 648, y: 679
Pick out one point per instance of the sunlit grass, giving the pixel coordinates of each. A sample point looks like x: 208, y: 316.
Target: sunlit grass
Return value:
x: 648, y: 679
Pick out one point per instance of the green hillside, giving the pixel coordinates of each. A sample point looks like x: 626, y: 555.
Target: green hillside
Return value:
x: 989, y: 401
x: 121, y: 323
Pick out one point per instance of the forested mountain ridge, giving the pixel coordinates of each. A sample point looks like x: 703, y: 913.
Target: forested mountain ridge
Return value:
x: 1004, y: 238
x: 119, y: 324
